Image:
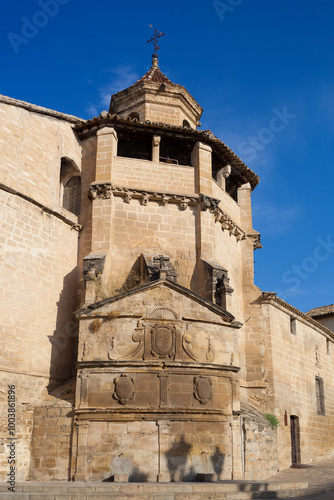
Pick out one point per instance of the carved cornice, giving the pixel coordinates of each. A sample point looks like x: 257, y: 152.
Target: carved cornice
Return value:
x: 227, y: 224
x: 208, y: 203
x: 100, y: 190
x: 105, y: 190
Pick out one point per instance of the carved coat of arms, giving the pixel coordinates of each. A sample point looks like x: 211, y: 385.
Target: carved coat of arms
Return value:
x: 203, y: 389
x: 163, y: 341
x: 124, y: 389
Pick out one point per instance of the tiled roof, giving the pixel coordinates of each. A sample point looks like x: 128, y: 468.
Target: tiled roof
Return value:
x: 203, y: 135
x: 155, y: 75
x: 321, y: 311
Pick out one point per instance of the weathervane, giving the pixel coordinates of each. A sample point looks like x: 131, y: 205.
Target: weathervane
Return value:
x: 155, y: 38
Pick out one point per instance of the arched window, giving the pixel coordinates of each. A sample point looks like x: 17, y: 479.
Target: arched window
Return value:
x: 72, y: 195
x: 70, y: 186
x: 186, y: 124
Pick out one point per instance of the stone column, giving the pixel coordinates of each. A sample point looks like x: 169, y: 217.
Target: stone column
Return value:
x: 79, y: 454
x: 156, y: 148
x: 201, y: 160
x: 163, y: 437
x: 236, y: 450
x: 106, y: 152
x: 253, y: 338
x: 244, y: 200
x: 100, y: 190
x: 90, y: 290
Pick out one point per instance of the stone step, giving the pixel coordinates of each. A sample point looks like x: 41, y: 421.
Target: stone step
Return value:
x: 235, y: 495
x: 223, y: 490
x: 98, y: 487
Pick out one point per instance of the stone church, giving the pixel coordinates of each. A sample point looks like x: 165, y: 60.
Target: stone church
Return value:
x: 132, y: 334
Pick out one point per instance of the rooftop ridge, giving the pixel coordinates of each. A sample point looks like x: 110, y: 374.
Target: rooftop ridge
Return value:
x: 40, y: 109
x: 321, y: 311
x: 272, y: 298
x: 154, y: 74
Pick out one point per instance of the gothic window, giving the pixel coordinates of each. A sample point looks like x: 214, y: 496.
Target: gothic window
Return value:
x: 70, y: 186
x: 72, y: 195
x: 319, y: 384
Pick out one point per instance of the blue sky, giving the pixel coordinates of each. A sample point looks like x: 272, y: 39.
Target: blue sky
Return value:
x: 262, y: 70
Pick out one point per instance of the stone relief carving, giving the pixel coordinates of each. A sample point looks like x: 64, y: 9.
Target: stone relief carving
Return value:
x: 86, y: 349
x: 208, y: 203
x: 99, y: 191
x: 105, y: 190
x: 187, y: 346
x: 227, y: 224
x: 145, y: 199
x: 157, y: 266
x: 257, y: 242
x: 163, y: 341
x: 93, y: 265
x: 124, y: 389
x: 210, y: 355
x: 112, y: 354
x: 163, y: 313
x: 138, y: 336
x: 203, y: 389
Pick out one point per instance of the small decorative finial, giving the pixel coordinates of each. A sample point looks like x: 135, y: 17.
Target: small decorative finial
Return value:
x: 154, y: 40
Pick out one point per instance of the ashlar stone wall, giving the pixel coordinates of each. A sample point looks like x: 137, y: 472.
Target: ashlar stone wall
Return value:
x: 300, y: 353
x: 38, y: 265
x: 52, y: 434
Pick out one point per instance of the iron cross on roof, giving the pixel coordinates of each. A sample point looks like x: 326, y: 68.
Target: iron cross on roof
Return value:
x: 155, y: 38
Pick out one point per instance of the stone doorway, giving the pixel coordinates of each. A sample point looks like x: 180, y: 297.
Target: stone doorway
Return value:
x: 295, y: 439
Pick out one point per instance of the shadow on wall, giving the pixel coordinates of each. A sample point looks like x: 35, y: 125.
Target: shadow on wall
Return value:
x: 217, y: 460
x: 136, y: 476
x: 65, y: 337
x: 178, y: 455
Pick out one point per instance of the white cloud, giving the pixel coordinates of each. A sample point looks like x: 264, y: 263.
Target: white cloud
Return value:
x: 121, y: 78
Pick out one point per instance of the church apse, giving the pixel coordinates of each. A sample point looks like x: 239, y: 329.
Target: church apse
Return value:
x: 157, y: 365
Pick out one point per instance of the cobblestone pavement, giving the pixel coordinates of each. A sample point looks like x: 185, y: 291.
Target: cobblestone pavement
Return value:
x: 320, y: 476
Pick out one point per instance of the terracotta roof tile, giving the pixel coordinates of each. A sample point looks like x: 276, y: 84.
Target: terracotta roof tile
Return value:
x: 204, y: 135
x: 321, y: 311
x: 155, y: 75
